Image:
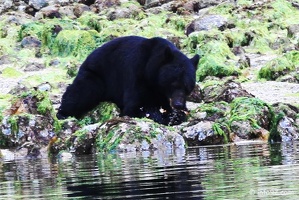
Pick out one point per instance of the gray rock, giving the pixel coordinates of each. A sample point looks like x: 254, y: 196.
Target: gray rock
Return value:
x: 293, y: 30
x: 287, y: 129
x: 201, y: 133
x: 5, y: 5
x: 51, y: 11
x: 30, y: 41
x: 207, y: 23
x: 34, y: 66
x: 38, y: 4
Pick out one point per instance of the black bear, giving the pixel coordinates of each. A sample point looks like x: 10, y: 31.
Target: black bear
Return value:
x: 135, y: 73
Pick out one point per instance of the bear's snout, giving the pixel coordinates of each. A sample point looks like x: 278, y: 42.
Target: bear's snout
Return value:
x: 178, y: 105
x: 178, y: 102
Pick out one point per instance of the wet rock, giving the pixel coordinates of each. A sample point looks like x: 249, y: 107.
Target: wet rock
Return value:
x: 287, y: 129
x: 125, y: 134
x: 286, y: 109
x: 209, y: 111
x: 251, y: 118
x: 19, y: 129
x: 207, y: 23
x: 83, y: 140
x: 287, y: 121
x: 202, y: 133
x: 244, y: 130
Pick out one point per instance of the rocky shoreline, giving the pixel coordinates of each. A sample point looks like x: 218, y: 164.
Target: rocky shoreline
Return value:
x: 247, y: 87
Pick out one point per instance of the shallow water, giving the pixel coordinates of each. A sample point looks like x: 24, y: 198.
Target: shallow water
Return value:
x: 255, y: 171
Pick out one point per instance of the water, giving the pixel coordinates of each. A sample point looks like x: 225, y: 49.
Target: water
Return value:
x: 255, y: 171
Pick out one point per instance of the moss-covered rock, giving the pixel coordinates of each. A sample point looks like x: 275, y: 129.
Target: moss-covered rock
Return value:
x: 222, y: 90
x: 251, y: 118
x: 280, y: 66
x: 137, y: 134
x: 77, y: 43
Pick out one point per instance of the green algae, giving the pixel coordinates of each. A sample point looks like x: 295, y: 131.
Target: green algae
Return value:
x: 283, y: 13
x: 213, y: 65
x: 217, y: 58
x: 102, y: 113
x: 127, y: 132
x: 4, y: 102
x: 48, y: 31
x: 77, y: 43
x: 258, y: 113
x: 280, y: 66
x: 221, y: 129
x: 214, y: 110
x: 266, y: 25
x: 6, y: 46
x: 92, y: 21
x: 10, y: 72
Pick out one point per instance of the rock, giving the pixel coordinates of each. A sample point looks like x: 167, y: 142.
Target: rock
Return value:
x: 124, y: 134
x: 19, y: 129
x: 67, y: 11
x: 38, y: 4
x: 51, y: 12
x: 5, y: 59
x: 34, y: 66
x: 102, y: 4
x: 293, y: 31
x: 251, y: 118
x: 207, y: 23
x: 202, y: 133
x: 287, y: 129
x: 44, y: 87
x: 86, y: 2
x: 244, y: 130
x: 5, y: 5
x: 79, y: 9
x: 226, y: 91
x: 196, y: 95
x: 30, y: 41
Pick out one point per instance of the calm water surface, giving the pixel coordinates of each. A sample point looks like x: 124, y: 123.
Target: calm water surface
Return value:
x: 255, y: 171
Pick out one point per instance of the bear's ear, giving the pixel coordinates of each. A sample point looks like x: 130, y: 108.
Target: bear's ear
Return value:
x: 195, y: 60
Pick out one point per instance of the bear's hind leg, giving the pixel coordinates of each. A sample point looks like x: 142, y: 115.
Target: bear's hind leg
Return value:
x: 81, y: 96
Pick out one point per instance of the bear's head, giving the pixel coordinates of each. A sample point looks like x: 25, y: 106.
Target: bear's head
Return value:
x: 177, y: 77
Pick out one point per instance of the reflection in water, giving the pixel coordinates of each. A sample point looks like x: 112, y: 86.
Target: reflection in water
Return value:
x: 255, y: 171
